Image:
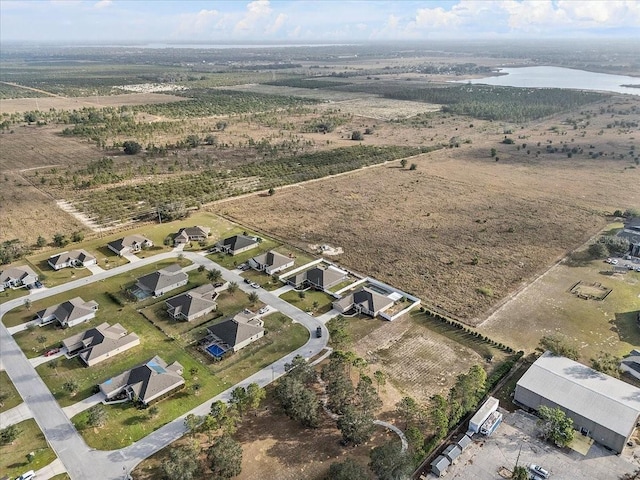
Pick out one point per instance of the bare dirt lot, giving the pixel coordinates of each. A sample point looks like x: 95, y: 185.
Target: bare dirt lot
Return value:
x: 16, y: 105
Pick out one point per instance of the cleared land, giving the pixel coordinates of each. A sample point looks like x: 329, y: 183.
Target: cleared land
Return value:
x: 593, y: 326
x: 462, y: 231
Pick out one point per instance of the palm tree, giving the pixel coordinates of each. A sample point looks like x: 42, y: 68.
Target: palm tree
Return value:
x: 214, y: 275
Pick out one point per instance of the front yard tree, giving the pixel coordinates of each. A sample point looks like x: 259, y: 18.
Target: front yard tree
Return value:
x: 347, y: 470
x: 225, y: 458
x: 555, y: 426
x: 27, y: 304
x: 233, y: 287
x: 253, y: 297
x: 9, y: 434
x: 182, y: 464
x: 389, y: 462
x: 70, y: 386
x: 96, y: 416
x: 214, y: 275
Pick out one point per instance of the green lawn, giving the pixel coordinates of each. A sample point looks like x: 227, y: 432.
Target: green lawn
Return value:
x: 113, y: 284
x: 62, y: 476
x: 228, y: 305
x: 231, y: 261
x: 13, y: 457
x: 310, y: 296
x: 50, y: 277
x: 9, y: 396
x: 11, y: 294
x: 127, y: 424
x: 344, y: 284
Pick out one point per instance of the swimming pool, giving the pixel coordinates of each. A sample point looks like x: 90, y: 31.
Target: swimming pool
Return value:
x: 215, y: 350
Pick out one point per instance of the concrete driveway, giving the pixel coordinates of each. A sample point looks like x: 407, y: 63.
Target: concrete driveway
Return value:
x: 82, y: 462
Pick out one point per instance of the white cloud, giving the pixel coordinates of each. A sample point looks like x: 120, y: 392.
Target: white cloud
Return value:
x: 198, y: 23
x: 256, y: 11
x: 277, y: 24
x: 103, y: 4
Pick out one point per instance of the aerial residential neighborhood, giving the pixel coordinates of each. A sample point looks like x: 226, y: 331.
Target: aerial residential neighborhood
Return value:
x: 319, y: 240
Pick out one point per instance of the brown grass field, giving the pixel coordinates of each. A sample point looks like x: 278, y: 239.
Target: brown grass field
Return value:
x: 461, y: 231
x: 15, y: 105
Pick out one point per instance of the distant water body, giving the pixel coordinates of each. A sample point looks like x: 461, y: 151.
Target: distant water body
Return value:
x: 558, y: 77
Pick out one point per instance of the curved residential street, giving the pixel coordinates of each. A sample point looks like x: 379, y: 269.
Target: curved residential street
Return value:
x: 83, y: 462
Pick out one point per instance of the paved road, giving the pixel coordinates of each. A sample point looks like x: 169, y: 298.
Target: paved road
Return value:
x: 83, y: 462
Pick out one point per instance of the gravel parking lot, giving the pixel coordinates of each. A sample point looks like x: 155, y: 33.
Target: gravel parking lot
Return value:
x: 484, y: 458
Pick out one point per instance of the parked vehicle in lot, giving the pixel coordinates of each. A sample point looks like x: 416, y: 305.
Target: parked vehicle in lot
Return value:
x: 319, y: 332
x: 539, y: 471
x: 614, y: 261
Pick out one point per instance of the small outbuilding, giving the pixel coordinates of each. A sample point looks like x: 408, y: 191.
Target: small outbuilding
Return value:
x: 439, y: 466
x: 452, y: 452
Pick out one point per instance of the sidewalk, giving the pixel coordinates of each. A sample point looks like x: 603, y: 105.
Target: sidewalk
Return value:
x: 15, y: 415
x: 72, y: 410
x: 54, y: 468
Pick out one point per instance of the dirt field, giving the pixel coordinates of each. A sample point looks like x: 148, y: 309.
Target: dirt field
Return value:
x: 69, y: 103
x: 462, y: 231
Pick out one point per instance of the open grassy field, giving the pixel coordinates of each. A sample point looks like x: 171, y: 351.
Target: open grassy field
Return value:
x: 9, y: 396
x: 462, y: 230
x: 308, y: 300
x: 13, y: 456
x: 593, y: 326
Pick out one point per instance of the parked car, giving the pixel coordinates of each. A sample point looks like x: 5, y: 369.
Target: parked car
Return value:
x: 319, y: 332
x: 27, y: 476
x: 538, y: 470
x: 263, y: 310
x: 246, y: 280
x: 608, y: 260
x: 614, y: 261
x: 53, y: 351
x: 254, y: 285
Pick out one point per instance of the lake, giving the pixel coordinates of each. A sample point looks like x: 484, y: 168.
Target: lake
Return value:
x: 558, y: 77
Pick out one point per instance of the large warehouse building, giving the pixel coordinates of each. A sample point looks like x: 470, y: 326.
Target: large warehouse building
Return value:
x: 602, y: 407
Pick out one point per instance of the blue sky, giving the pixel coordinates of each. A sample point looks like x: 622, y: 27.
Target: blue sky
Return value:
x: 321, y: 21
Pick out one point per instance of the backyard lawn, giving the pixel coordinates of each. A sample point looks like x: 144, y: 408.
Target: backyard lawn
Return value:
x: 307, y: 302
x: 13, y: 456
x: 9, y: 396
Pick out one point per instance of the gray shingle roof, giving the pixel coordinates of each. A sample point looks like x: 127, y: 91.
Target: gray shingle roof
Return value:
x: 147, y: 381
x: 97, y: 341
x: 69, y: 311
x: 605, y: 400
x: 272, y: 259
x: 128, y: 242
x: 194, y: 301
x: 64, y: 257
x: 238, y: 241
x: 234, y: 331
x: 367, y: 298
x: 17, y: 273
x: 163, y: 278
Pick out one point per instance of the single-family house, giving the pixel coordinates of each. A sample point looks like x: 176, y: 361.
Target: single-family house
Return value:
x: 129, y: 244
x: 237, y: 332
x: 74, y: 258
x: 162, y: 281
x: 363, y: 300
x: 318, y: 278
x: 14, y: 277
x: 68, y: 314
x: 100, y: 343
x: 147, y: 383
x: 631, y: 363
x: 236, y: 244
x: 193, y: 304
x: 271, y: 262
x: 191, y: 234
